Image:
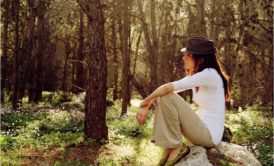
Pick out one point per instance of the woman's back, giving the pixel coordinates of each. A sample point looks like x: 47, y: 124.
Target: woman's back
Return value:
x: 208, y: 93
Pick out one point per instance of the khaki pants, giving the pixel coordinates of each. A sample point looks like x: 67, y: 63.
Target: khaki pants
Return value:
x: 173, y: 118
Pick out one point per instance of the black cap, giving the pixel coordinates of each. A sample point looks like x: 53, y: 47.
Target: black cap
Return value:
x: 199, y: 45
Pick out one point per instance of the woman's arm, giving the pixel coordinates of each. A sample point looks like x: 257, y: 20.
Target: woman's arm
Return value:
x: 162, y: 90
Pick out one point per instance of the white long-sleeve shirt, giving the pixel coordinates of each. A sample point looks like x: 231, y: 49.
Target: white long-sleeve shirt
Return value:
x: 210, y: 99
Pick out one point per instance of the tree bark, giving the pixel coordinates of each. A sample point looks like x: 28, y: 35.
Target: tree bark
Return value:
x: 126, y: 58
x: 136, y: 54
x: 115, y: 57
x: 40, y: 51
x: 17, y: 65
x: 164, y: 54
x: 28, y: 44
x: 80, y: 68
x: 201, y: 24
x: 95, y: 105
x: 215, y: 20
x: 149, y: 44
x: 65, y: 69
x: 4, y: 59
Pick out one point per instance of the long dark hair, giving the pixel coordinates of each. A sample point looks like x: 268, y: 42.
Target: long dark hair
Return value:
x: 203, y: 61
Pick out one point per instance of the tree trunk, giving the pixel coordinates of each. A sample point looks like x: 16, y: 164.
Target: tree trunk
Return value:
x: 95, y: 105
x: 126, y: 58
x: 80, y: 67
x: 73, y: 71
x: 201, y: 24
x: 173, y: 48
x: 164, y: 56
x: 40, y: 51
x: 115, y: 58
x: 135, y: 61
x: 215, y: 20
x: 4, y: 65
x: 120, y: 32
x: 65, y: 70
x: 136, y: 53
x: 17, y: 65
x: 140, y: 87
x: 151, y: 50
x: 154, y: 55
x: 28, y: 40
x: 27, y: 48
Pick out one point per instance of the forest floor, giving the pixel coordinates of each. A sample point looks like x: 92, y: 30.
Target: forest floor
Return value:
x: 51, y: 133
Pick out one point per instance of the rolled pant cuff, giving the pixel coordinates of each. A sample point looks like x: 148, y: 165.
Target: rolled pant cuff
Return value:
x: 166, y: 145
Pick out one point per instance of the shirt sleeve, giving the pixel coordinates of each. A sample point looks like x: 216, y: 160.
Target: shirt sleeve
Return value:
x: 203, y: 78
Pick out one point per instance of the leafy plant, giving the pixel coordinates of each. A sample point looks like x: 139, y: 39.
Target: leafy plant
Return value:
x: 253, y: 129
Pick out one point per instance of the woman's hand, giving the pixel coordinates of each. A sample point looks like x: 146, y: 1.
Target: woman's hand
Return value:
x: 143, y: 111
x: 142, y: 115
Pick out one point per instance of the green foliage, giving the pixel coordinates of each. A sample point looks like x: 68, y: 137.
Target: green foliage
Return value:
x: 6, y: 98
x: 56, y: 98
x: 63, y: 100
x: 89, y: 142
x: 127, y: 126
x: 27, y: 130
x: 6, y: 142
x: 132, y: 131
x: 62, y: 121
x: 61, y: 139
x: 253, y: 129
x: 69, y: 163
x: 224, y: 162
x: 264, y: 154
x: 10, y: 121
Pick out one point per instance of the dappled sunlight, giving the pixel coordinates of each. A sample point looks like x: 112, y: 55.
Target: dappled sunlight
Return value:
x: 135, y: 102
x: 148, y: 153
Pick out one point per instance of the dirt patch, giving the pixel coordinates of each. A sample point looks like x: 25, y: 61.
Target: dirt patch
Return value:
x: 43, y: 155
x: 85, y: 154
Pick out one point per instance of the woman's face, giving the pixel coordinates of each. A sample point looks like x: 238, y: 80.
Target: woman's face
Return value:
x: 189, y: 61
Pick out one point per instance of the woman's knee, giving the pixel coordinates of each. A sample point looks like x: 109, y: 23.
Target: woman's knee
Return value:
x: 172, y: 97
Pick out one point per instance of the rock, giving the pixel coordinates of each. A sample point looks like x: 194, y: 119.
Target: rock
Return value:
x: 237, y: 153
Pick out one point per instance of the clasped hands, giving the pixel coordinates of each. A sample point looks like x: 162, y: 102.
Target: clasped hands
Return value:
x: 141, y: 115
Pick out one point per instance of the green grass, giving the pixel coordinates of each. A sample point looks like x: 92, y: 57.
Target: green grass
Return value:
x: 59, y: 129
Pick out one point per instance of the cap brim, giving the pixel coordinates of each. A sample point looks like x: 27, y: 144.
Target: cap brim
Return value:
x: 183, y: 49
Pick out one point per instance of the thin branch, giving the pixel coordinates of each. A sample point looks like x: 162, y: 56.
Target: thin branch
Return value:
x: 80, y: 88
x: 78, y: 61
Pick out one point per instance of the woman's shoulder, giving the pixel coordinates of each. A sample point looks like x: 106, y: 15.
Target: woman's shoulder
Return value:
x: 209, y: 71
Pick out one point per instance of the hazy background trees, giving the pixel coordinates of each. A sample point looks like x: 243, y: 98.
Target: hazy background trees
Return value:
x: 63, y: 45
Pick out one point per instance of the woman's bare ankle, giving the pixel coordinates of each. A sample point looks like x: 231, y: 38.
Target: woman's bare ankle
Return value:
x: 174, y: 152
x: 166, y: 153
